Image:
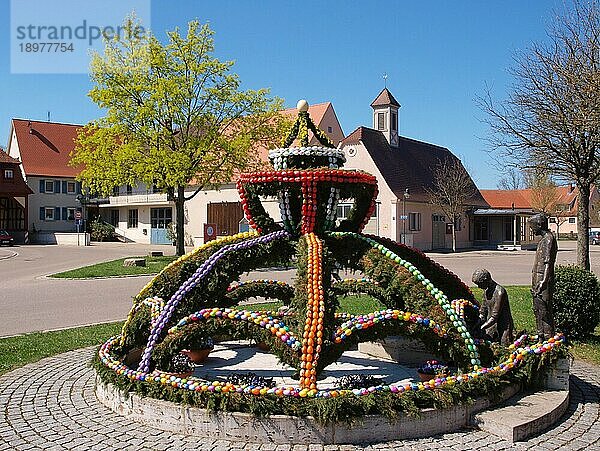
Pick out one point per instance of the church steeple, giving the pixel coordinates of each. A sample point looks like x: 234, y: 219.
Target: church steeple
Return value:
x: 385, y: 116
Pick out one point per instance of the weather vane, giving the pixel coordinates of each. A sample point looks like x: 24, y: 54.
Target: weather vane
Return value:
x: 385, y: 80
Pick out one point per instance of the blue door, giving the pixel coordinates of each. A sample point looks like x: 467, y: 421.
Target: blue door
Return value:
x: 160, y: 218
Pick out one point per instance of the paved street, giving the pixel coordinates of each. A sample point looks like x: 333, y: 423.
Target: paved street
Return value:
x: 31, y: 302
x: 50, y: 405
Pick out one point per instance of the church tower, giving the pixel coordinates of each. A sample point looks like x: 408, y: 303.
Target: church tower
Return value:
x: 385, y: 116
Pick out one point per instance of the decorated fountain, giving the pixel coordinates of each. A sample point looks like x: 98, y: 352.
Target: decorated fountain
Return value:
x: 197, y: 298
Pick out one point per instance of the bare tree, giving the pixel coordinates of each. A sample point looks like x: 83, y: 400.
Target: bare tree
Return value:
x: 511, y: 179
x: 544, y: 193
x: 551, y: 119
x: 452, y: 189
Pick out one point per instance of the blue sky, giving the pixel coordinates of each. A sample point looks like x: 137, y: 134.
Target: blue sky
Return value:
x: 438, y: 57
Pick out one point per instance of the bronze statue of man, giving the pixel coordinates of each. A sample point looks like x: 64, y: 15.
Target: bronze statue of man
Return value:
x: 495, y: 309
x: 542, y: 277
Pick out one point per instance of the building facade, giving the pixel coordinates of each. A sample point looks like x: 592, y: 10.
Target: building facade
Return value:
x: 44, y: 149
x: 14, y: 198
x: 404, y: 169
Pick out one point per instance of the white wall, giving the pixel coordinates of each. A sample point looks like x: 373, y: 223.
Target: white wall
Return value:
x: 361, y: 160
x: 50, y: 200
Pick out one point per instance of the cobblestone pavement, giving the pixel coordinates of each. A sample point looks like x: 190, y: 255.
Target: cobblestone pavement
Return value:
x: 50, y: 405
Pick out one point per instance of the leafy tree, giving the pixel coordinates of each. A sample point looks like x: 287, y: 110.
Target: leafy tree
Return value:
x: 551, y: 119
x: 175, y: 117
x: 452, y: 189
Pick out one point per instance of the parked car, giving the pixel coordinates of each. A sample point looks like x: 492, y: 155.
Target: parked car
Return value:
x: 595, y: 237
x: 6, y: 238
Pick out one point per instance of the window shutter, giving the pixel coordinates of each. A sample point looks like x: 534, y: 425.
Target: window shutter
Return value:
x: 57, y: 186
x: 64, y: 187
x: 57, y: 213
x: 78, y: 187
x: 42, y: 213
x: 65, y: 214
x: 42, y: 186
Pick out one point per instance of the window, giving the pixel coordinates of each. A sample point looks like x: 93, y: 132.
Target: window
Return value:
x: 70, y: 214
x: 114, y: 217
x: 571, y: 220
x: 343, y: 210
x: 49, y: 186
x: 129, y: 190
x: 132, y: 219
x: 160, y: 218
x: 49, y: 214
x: 414, y: 221
x: 380, y: 121
x: 329, y: 129
x: 552, y: 220
x: 71, y: 188
x: 115, y: 191
x: 8, y: 174
x: 394, y: 122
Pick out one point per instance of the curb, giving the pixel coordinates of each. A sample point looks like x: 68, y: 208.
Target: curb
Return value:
x: 10, y: 255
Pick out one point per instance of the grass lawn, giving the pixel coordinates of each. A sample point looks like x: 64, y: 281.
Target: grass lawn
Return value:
x: 20, y: 350
x: 115, y: 268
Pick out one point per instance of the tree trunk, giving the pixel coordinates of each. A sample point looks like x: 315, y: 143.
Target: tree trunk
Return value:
x: 179, y: 214
x: 453, y: 237
x: 583, y: 223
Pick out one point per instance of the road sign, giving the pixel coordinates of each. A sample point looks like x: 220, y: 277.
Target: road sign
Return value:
x: 210, y: 232
x: 403, y: 217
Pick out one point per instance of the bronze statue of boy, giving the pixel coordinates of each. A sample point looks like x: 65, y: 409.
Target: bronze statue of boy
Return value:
x: 495, y: 309
x: 542, y: 277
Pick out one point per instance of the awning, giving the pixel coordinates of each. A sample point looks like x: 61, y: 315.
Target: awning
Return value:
x: 502, y: 212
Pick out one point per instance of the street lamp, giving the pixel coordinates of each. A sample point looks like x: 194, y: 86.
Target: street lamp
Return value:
x: 405, y: 196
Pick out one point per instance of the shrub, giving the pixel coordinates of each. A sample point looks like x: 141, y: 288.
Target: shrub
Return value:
x: 576, y: 301
x: 100, y: 230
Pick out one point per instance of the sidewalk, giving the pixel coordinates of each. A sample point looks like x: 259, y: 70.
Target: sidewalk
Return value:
x: 51, y: 405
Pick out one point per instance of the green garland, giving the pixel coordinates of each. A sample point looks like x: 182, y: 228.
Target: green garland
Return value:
x: 300, y: 131
x: 345, y: 409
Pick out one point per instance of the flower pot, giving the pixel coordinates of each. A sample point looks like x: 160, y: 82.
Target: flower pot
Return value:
x: 133, y: 357
x: 197, y: 355
x: 425, y: 377
x: 262, y: 346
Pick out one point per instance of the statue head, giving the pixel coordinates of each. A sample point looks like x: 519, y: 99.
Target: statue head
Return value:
x: 481, y: 277
x: 538, y: 223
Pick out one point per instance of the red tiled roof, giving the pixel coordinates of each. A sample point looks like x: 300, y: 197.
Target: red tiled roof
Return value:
x: 384, y: 98
x: 14, y: 186
x: 6, y: 158
x: 502, y: 198
x: 45, y: 147
x: 522, y: 198
x: 410, y: 165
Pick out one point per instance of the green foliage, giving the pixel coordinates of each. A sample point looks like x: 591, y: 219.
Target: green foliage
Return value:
x: 576, y: 301
x: 258, y: 288
x: 101, y: 230
x: 175, y: 116
x: 343, y: 409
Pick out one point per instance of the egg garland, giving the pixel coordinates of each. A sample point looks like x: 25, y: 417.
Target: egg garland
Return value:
x: 311, y: 181
x: 522, y: 350
x: 457, y: 321
x: 191, y: 283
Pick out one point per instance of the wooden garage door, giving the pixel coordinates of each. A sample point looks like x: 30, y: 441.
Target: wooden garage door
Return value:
x: 226, y: 215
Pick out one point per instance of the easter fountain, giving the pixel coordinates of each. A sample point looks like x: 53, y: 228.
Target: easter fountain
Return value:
x: 198, y: 296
